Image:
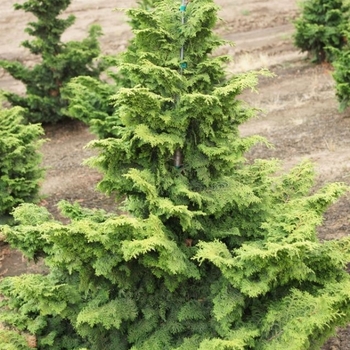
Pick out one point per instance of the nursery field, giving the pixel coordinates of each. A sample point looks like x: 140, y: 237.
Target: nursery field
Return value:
x: 299, y: 113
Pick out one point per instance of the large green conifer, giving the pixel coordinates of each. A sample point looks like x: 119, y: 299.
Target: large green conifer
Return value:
x: 213, y: 252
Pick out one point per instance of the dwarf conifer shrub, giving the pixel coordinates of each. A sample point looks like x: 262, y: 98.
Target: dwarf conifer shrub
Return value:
x: 59, y: 61
x: 213, y: 252
x: 20, y: 171
x: 91, y: 99
x: 341, y: 74
x: 320, y: 27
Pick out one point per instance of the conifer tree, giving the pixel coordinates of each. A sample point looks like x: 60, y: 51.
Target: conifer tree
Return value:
x: 20, y: 171
x: 59, y: 61
x: 320, y: 28
x: 90, y: 98
x: 341, y: 73
x: 213, y: 252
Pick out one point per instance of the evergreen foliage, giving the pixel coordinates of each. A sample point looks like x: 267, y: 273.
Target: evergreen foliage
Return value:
x: 341, y: 74
x: 11, y: 340
x: 320, y: 27
x: 147, y: 4
x: 60, y: 61
x: 91, y: 99
x: 213, y: 252
x: 20, y: 171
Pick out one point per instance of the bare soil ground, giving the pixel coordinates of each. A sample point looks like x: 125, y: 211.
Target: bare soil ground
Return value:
x: 299, y: 110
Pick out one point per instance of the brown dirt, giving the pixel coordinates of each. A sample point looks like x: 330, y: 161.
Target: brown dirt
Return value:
x: 299, y: 110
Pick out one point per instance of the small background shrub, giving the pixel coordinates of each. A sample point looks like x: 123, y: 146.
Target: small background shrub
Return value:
x: 60, y: 61
x: 321, y: 27
x: 20, y: 171
x: 341, y: 74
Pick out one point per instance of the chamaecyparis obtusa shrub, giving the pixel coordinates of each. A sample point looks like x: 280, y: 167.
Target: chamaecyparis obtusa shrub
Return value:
x: 20, y: 170
x: 91, y: 99
x: 59, y: 61
x: 212, y: 252
x: 320, y: 27
x: 341, y: 73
